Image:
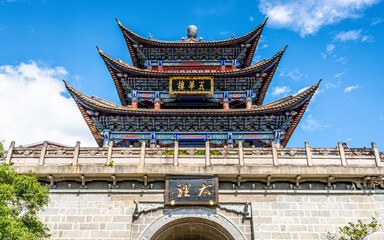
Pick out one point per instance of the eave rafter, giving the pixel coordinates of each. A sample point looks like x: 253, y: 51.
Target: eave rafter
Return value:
x: 251, y: 38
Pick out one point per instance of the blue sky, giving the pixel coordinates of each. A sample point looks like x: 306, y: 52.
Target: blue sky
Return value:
x: 341, y: 42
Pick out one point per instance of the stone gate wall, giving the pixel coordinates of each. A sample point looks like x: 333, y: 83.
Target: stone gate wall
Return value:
x: 267, y: 193
x: 280, y: 215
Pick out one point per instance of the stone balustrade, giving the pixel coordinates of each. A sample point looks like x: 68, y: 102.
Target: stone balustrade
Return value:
x: 241, y: 156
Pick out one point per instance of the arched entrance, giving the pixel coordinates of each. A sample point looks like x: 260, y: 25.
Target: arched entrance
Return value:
x: 192, y: 223
x: 192, y: 229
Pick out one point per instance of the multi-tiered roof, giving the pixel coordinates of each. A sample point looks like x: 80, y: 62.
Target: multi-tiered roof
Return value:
x: 192, y: 91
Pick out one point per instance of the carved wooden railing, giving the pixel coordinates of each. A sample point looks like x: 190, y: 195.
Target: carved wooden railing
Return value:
x: 274, y: 156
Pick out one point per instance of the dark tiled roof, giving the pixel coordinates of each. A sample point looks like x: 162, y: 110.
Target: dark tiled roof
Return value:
x: 283, y: 104
x: 132, y: 69
x: 297, y: 102
x: 253, y: 36
x: 191, y: 43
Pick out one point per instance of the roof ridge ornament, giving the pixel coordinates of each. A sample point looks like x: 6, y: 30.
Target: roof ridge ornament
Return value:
x: 192, y: 32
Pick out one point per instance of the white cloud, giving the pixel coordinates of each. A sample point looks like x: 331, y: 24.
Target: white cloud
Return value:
x: 34, y: 109
x: 307, y: 17
x: 301, y: 90
x: 309, y: 124
x: 339, y: 75
x: 331, y: 85
x: 330, y: 48
x: 295, y: 74
x: 376, y: 21
x: 280, y: 90
x: 224, y: 32
x: 342, y: 60
x: 350, y: 88
x: 353, y: 35
x: 262, y: 42
x: 367, y: 38
x: 251, y: 19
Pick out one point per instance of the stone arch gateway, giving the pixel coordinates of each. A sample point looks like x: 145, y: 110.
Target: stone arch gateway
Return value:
x: 192, y: 223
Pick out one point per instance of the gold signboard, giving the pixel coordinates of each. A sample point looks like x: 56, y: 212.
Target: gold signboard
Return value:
x: 191, y: 85
x: 191, y: 190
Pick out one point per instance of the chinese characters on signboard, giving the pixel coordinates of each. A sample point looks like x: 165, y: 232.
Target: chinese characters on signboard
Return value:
x: 191, y: 85
x: 191, y: 190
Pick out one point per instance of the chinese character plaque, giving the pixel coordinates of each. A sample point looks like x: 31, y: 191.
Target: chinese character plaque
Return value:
x: 191, y: 85
x: 184, y: 190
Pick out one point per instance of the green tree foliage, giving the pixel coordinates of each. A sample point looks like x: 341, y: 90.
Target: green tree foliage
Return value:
x: 356, y: 231
x: 1, y: 149
x: 21, y: 198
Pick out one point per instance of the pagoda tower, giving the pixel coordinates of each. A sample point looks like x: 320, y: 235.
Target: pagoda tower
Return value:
x: 192, y: 92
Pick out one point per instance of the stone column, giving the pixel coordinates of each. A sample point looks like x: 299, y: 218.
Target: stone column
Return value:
x: 10, y: 152
x: 308, y: 152
x: 76, y: 152
x: 42, y: 153
x: 109, y: 154
x: 377, y: 156
x: 241, y: 154
x: 342, y: 154
x: 274, y: 154
x: 142, y: 153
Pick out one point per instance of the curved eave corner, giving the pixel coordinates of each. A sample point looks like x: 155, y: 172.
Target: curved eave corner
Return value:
x: 119, y: 87
x: 265, y: 84
x: 299, y: 116
x: 254, y: 45
x: 87, y: 120
x: 129, y: 43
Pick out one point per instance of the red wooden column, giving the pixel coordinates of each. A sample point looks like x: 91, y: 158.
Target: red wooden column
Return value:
x: 225, y: 101
x: 157, y: 100
x: 134, y: 100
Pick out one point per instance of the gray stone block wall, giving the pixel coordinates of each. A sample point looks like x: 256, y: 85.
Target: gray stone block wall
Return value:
x: 88, y: 216
x: 274, y: 216
x: 312, y: 216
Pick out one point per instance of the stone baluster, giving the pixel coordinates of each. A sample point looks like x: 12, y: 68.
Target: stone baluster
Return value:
x: 241, y: 153
x: 342, y: 154
x: 42, y: 153
x: 274, y: 154
x: 142, y: 153
x: 109, y: 154
x: 10, y: 152
x: 207, y: 153
x: 176, y: 153
x: 377, y: 155
x: 76, y: 152
x: 308, y: 152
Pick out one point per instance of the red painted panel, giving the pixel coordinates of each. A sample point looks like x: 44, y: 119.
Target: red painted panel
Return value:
x: 130, y: 136
x: 257, y: 136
